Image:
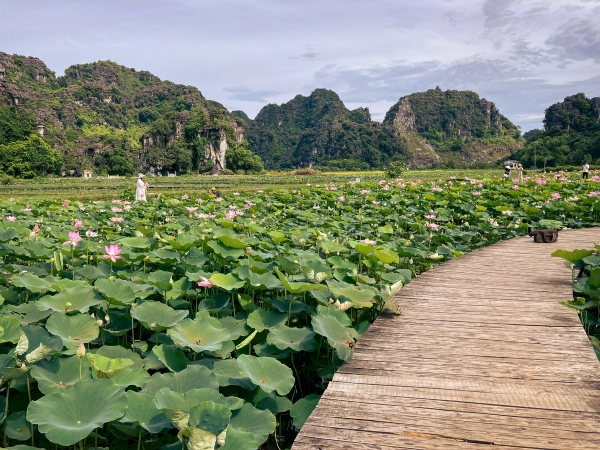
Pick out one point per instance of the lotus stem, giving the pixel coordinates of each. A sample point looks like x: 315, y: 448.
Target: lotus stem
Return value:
x: 7, y: 405
x: 80, y: 366
x: 297, y: 376
x: 29, y: 395
x: 140, y: 439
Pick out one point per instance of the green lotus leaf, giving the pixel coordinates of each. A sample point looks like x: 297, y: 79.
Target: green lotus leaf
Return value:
x: 237, y: 328
x: 68, y: 417
x: 275, y: 404
x: 268, y: 373
x: 116, y: 351
x: 117, y: 292
x: 10, y: 330
x: 297, y: 287
x: 332, y: 247
x: 103, y: 367
x: 252, y: 420
x: 285, y: 307
x: 228, y: 373
x: 8, y: 234
x: 304, y: 408
x: 264, y: 349
x: 73, y: 330
x: 36, y: 336
x: 262, y: 319
x: 76, y: 299
x: 341, y: 316
x: 196, y: 257
x: 138, y: 242
x: 572, y: 256
x: 26, y: 313
x: 33, y: 283
x: 258, y: 280
x: 360, y: 298
x: 142, y: 411
x: 364, y: 249
x: 386, y: 256
x: 184, y: 242
x: 163, y: 256
x: 232, y: 242
x: 172, y: 357
x: 239, y: 440
x: 161, y: 280
x: 177, y: 405
x: 297, y: 339
x: 337, y: 334
x: 60, y: 374
x: 204, y: 333
x: 194, y: 377
x: 197, y: 439
x: 225, y: 252
x: 226, y: 281
x: 210, y: 416
x: 157, y: 315
x: 17, y: 426
x: 131, y: 377
x: 38, y: 353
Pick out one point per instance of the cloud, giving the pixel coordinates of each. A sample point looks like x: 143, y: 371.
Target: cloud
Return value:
x: 245, y: 94
x: 578, y: 39
x: 309, y: 56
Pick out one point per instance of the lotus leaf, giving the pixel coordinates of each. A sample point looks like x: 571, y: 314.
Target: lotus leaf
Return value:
x: 116, y: 351
x: 142, y: 411
x: 177, y: 405
x: 117, y: 292
x: 572, y: 256
x: 172, y: 357
x: 17, y: 426
x: 26, y: 313
x: 32, y: 283
x: 194, y: 377
x: 210, y: 416
x: 225, y: 252
x: 264, y: 349
x: 36, y: 336
x: 296, y: 339
x: 296, y: 287
x: 237, y: 328
x: 303, y: 408
x: 161, y: 279
x: 226, y: 281
x: 337, y: 335
x: 232, y: 242
x: 10, y: 330
x: 76, y: 299
x: 59, y: 374
x: 268, y: 373
x: 262, y: 319
x: 258, y: 280
x: 275, y: 404
x: 131, y: 377
x: 252, y: 420
x: 386, y: 256
x: 68, y: 417
x: 157, y: 315
x: 228, y: 374
x: 73, y: 330
x: 103, y: 367
x: 204, y: 333
x: 239, y: 440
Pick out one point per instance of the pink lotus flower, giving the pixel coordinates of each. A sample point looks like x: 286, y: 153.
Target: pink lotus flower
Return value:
x: 11, y: 199
x: 78, y: 224
x: 515, y: 187
x: 430, y: 216
x: 191, y: 208
x: 185, y: 197
x: 116, y: 219
x: 364, y: 191
x: 116, y: 210
x: 341, y: 198
x: 218, y: 199
x: 112, y: 252
x: 27, y: 208
x: 205, y: 282
x: 555, y: 196
x: 432, y: 225
x: 368, y: 241
x: 66, y: 204
x: 11, y: 218
x: 74, y: 239
x: 91, y: 234
x: 247, y: 206
x: 236, y: 194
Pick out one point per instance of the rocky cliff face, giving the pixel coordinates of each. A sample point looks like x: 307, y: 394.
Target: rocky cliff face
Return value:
x: 96, y: 108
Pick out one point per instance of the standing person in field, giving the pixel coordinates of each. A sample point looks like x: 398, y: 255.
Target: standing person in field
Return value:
x: 140, y: 191
x: 520, y: 172
x: 586, y: 170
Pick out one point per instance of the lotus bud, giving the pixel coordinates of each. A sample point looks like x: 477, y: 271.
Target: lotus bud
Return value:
x: 107, y: 319
x: 319, y: 238
x: 100, y: 323
x: 327, y: 252
x: 81, y: 350
x: 248, y: 250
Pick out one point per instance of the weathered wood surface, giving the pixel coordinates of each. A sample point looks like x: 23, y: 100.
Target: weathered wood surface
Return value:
x: 482, y: 354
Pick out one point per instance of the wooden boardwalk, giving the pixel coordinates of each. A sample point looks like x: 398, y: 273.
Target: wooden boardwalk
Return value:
x: 482, y: 355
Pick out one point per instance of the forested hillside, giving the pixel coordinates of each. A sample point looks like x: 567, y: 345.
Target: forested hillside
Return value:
x: 117, y: 120
x: 571, y: 134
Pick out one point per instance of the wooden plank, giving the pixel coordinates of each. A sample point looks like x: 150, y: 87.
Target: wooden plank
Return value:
x: 482, y: 353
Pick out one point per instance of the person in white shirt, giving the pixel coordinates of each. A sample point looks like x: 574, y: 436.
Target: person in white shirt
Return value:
x: 586, y: 170
x: 140, y: 191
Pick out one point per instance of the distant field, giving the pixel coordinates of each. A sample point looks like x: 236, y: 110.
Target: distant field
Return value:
x: 104, y: 188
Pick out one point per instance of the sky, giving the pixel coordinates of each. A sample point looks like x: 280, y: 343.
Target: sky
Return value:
x: 523, y: 55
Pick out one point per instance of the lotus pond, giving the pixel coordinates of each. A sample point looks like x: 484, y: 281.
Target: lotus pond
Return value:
x: 216, y: 323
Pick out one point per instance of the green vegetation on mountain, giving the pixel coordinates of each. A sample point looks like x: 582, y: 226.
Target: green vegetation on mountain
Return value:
x: 571, y: 134
x: 114, y: 119
x: 432, y: 128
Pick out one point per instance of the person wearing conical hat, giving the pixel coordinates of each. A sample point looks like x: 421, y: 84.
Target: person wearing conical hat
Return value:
x: 140, y: 191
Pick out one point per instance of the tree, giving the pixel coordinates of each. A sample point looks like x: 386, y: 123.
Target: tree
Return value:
x: 14, y: 126
x: 239, y: 159
x: 29, y: 158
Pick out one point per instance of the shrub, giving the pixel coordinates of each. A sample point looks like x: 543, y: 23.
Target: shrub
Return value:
x: 305, y: 171
x: 395, y: 169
